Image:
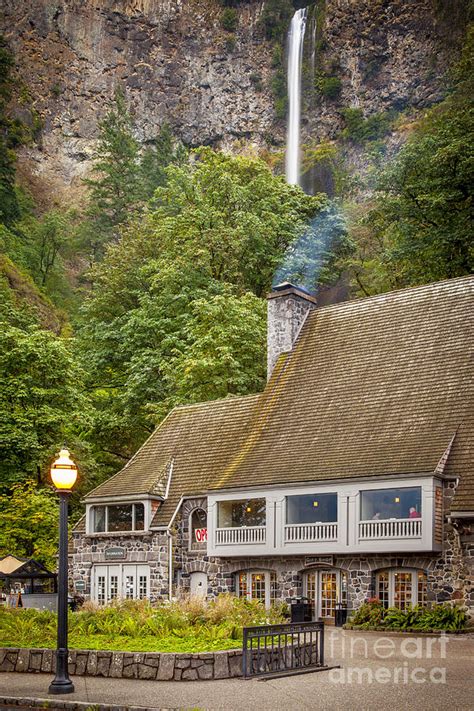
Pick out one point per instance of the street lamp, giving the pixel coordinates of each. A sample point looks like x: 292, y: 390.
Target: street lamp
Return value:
x: 64, y: 475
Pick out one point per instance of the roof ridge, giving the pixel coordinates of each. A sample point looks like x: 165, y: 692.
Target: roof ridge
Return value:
x: 391, y: 294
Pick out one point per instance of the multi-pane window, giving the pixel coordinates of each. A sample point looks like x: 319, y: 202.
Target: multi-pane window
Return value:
x: 401, y: 588
x: 129, y: 587
x: 311, y: 508
x: 242, y: 585
x: 422, y: 585
x: 383, y: 504
x: 118, y: 517
x: 123, y: 580
x: 257, y: 585
x: 382, y: 588
x: 142, y: 586
x: 326, y: 589
x: 113, y: 587
x: 101, y: 589
x: 245, y: 512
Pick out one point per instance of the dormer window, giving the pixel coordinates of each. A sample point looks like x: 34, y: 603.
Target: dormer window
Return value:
x: 113, y: 518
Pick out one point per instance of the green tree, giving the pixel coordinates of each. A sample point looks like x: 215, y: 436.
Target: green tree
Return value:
x: 29, y: 523
x: 208, y: 249
x: 157, y: 154
x: 419, y: 227
x: 114, y: 192
x: 41, y: 402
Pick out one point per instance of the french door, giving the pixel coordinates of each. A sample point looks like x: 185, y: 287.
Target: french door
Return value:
x: 325, y: 589
x: 110, y: 582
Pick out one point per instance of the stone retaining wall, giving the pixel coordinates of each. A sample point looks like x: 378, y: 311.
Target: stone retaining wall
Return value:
x: 128, y: 665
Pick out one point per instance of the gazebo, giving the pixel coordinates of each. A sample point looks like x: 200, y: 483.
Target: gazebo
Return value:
x: 25, y: 576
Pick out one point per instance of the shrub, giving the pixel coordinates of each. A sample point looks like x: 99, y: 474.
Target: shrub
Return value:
x: 256, y: 80
x: 359, y: 129
x: 329, y: 86
x: 191, y: 624
x: 439, y: 617
x: 229, y: 19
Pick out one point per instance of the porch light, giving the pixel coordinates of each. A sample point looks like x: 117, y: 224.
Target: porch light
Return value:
x: 397, y: 499
x: 64, y: 471
x: 248, y: 509
x: 315, y: 503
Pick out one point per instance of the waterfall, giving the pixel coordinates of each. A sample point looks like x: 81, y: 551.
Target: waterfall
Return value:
x: 295, y: 57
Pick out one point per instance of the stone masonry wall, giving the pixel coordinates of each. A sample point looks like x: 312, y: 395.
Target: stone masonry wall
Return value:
x: 128, y: 665
x: 150, y: 548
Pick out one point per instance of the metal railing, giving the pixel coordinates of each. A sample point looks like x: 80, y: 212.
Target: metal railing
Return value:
x: 282, y: 649
x: 392, y: 528
x: 307, y: 532
x: 238, y: 536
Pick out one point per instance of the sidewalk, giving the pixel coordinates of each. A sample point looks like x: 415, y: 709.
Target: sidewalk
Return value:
x: 321, y: 690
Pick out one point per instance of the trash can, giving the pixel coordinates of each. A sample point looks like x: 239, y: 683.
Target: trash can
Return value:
x: 340, y: 615
x: 300, y: 610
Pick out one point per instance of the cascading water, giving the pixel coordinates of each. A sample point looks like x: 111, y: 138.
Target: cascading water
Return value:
x: 295, y: 58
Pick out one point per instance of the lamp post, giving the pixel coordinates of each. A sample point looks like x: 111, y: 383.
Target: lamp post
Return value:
x: 63, y: 474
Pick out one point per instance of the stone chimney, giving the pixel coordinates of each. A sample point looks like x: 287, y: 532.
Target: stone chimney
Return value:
x: 287, y: 308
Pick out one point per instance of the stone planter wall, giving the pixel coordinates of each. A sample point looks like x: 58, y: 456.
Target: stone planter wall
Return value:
x: 128, y: 665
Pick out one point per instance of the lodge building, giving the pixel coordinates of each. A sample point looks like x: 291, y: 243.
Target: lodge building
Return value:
x: 350, y: 476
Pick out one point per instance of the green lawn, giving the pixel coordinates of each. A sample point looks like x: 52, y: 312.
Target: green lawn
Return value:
x: 126, y: 644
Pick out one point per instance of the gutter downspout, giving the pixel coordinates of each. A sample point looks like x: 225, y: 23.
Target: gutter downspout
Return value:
x: 170, y: 564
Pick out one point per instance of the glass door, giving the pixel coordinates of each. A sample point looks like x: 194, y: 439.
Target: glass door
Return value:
x: 328, y: 594
x: 325, y: 589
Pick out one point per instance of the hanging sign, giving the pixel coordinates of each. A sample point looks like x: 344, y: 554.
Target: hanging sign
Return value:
x: 115, y: 553
x: 200, y: 534
x: 80, y: 585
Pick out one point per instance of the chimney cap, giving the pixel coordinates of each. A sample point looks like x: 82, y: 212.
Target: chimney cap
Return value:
x: 286, y: 288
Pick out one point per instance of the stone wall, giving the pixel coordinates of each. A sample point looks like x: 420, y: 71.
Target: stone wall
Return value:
x: 286, y: 312
x: 128, y: 665
x: 150, y: 548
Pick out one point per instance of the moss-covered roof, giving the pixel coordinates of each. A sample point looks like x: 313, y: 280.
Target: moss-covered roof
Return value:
x: 373, y: 387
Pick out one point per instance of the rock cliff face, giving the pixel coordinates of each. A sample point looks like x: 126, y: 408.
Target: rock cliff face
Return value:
x: 178, y: 65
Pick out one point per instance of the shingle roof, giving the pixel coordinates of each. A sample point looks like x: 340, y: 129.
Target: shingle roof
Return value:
x: 372, y: 387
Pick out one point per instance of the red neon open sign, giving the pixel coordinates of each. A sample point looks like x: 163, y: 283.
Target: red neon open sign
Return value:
x: 200, y: 534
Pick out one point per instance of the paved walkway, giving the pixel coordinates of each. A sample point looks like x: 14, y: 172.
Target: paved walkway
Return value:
x: 389, y: 672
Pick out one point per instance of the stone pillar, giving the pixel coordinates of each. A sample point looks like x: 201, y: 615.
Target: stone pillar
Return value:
x: 287, y: 308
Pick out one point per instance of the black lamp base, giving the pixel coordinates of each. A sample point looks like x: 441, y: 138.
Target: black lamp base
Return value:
x: 61, y: 686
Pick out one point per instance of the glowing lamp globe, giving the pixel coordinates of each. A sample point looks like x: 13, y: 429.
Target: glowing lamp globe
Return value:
x: 63, y: 471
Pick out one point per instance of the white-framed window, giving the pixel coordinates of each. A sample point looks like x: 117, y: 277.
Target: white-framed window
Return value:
x: 388, y: 504
x: 311, y: 508
x: 257, y: 585
x: 110, y: 518
x: 325, y: 589
x: 198, y: 530
x: 241, y: 513
x: 401, y: 587
x: 123, y: 580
